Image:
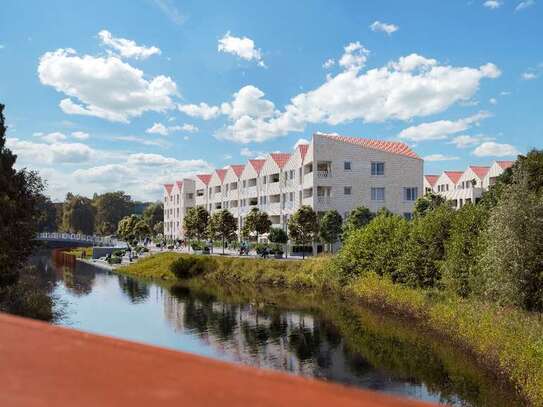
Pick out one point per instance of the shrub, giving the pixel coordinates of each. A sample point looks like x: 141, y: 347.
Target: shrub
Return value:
x: 191, y: 266
x: 260, y: 247
x: 197, y: 245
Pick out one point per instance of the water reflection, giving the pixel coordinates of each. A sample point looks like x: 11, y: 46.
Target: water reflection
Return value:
x: 304, y: 335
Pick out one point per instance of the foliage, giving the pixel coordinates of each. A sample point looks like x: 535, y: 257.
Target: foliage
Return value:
x: 330, y: 227
x: 425, y: 249
x: 222, y: 225
x: 191, y: 266
x: 78, y: 215
x: 278, y: 235
x: 376, y: 248
x: 303, y: 226
x: 158, y: 229
x: 110, y: 208
x: 357, y: 219
x: 195, y: 223
x: 133, y: 228
x: 428, y: 203
x: 463, y: 248
x: 256, y: 222
x: 47, y: 215
x: 154, y: 215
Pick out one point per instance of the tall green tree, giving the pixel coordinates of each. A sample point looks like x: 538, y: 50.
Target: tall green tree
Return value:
x: 223, y: 226
x: 195, y: 223
x: 47, y: 215
x: 110, y: 208
x: 427, y: 203
x: 154, y: 214
x: 303, y: 226
x: 357, y: 219
x: 78, y: 215
x: 133, y: 228
x: 330, y: 227
x: 256, y: 222
x: 278, y: 236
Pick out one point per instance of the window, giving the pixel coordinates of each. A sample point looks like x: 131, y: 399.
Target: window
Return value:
x: 291, y: 196
x: 347, y: 165
x: 347, y: 190
x: 410, y: 194
x: 377, y: 168
x: 378, y: 194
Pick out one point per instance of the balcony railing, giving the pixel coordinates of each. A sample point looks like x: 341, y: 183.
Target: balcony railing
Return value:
x: 324, y: 200
x: 324, y: 174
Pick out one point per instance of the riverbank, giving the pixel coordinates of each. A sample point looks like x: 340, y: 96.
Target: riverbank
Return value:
x: 508, y: 342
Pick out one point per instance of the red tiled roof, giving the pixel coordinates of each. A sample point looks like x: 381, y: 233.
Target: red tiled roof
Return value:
x: 431, y: 179
x: 505, y: 164
x: 454, y: 176
x: 238, y: 169
x: 179, y: 184
x: 479, y: 171
x: 303, y: 150
x: 168, y: 188
x: 257, y: 165
x: 221, y: 173
x: 204, y: 178
x: 280, y: 159
x: 394, y: 147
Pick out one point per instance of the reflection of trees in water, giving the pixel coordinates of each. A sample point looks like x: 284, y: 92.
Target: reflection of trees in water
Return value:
x: 79, y: 279
x: 136, y: 291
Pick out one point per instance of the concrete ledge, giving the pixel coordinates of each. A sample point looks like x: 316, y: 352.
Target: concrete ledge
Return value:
x: 46, y: 365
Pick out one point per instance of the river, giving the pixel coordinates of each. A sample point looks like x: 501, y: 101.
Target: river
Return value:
x: 300, y: 334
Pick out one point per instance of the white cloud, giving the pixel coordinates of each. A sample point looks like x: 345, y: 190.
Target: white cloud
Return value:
x: 354, y: 57
x: 492, y: 4
x: 524, y: 5
x: 51, y: 138
x: 464, y: 141
x: 203, y: 111
x: 243, y: 47
x: 493, y: 101
x: 159, y: 128
x: 440, y: 157
x: 246, y: 152
x: 441, y: 129
x: 127, y: 48
x: 141, y: 140
x: 171, y: 11
x: 54, y: 152
x: 528, y: 76
x: 105, y: 87
x: 300, y: 142
x: 80, y: 135
x: 329, y: 63
x: 383, y: 27
x: 493, y: 149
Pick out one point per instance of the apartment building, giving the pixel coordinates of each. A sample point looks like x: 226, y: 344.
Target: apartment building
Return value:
x: 461, y: 187
x: 331, y: 172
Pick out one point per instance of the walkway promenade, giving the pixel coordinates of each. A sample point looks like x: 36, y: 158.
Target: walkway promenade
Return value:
x: 45, y: 365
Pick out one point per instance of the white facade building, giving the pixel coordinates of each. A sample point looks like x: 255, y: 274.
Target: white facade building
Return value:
x: 468, y: 186
x: 331, y: 172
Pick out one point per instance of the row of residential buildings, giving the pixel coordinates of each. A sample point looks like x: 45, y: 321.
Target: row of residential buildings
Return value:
x: 331, y: 172
x: 462, y: 187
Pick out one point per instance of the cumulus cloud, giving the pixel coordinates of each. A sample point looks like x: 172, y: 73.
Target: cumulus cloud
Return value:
x: 127, y: 48
x: 202, y: 111
x: 384, y: 27
x: 80, y: 135
x: 524, y: 5
x: 441, y: 129
x: 53, y: 151
x: 243, y: 47
x: 493, y: 149
x: 440, y: 157
x: 159, y: 128
x: 465, y: 141
x: 329, y: 63
x: 528, y: 76
x: 492, y: 4
x: 355, y: 57
x: 104, y: 87
x: 141, y: 140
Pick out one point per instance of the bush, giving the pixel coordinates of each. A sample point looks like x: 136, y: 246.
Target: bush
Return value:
x: 375, y: 248
x: 197, y: 245
x: 118, y: 253
x: 115, y: 260
x: 191, y: 266
x: 260, y: 247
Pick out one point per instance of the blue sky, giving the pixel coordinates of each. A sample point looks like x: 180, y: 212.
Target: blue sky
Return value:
x: 131, y: 94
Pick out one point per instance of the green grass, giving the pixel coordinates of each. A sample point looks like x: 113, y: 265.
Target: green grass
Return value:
x: 78, y: 252
x: 507, y: 341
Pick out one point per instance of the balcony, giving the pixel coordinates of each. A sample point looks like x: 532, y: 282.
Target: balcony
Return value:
x: 324, y: 174
x: 324, y: 200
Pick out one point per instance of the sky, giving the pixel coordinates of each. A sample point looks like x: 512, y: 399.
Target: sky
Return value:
x: 131, y: 94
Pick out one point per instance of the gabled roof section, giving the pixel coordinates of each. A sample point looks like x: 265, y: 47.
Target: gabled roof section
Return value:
x: 431, y: 179
x: 221, y: 173
x: 302, y: 148
x: 505, y: 164
x: 179, y: 184
x: 454, y: 176
x: 393, y: 147
x: 280, y: 159
x: 479, y: 171
x: 204, y: 178
x: 238, y: 169
x: 257, y: 165
x: 168, y: 188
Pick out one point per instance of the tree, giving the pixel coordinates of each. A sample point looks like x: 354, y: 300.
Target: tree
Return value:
x: 133, y: 228
x: 110, y: 208
x: 427, y: 203
x: 278, y: 236
x: 303, y: 226
x: 222, y: 225
x: 256, y: 222
x: 47, y: 215
x: 158, y: 229
x: 78, y: 215
x: 358, y: 218
x: 330, y: 227
x: 154, y: 214
x: 195, y: 223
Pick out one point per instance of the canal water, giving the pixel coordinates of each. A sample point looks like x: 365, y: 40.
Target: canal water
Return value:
x: 299, y: 334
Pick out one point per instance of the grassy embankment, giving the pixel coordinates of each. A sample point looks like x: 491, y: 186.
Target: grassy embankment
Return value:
x: 507, y: 341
